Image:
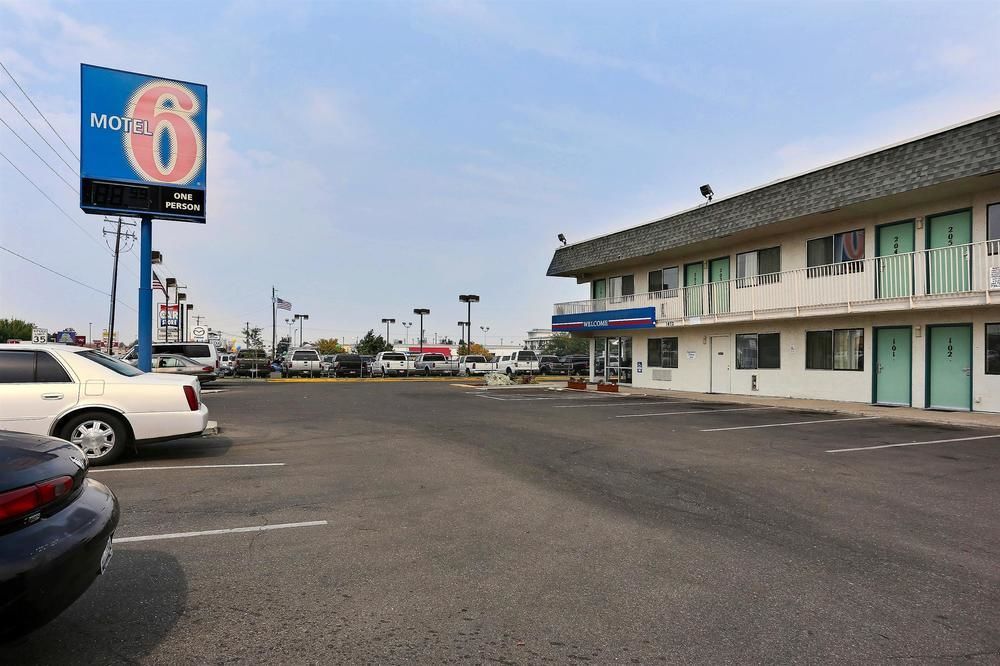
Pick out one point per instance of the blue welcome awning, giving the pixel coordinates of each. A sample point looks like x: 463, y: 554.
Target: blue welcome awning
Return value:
x: 606, y: 321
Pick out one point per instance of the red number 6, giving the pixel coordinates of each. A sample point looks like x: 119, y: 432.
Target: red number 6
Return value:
x: 185, y: 153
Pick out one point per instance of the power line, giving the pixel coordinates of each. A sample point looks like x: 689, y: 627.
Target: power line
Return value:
x: 52, y: 201
x: 66, y: 277
x: 28, y: 97
x: 58, y: 154
x: 28, y: 146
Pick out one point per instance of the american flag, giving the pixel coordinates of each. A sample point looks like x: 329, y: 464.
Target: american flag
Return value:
x: 283, y: 304
x: 157, y: 284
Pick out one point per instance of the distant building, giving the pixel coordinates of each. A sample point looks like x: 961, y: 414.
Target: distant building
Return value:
x: 537, y: 337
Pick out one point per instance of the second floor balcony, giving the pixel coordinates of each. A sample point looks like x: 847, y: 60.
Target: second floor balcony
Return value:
x: 953, y: 276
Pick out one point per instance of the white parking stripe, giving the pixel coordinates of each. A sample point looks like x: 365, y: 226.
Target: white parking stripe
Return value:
x: 147, y: 469
x: 793, y: 423
x: 694, y: 411
x: 232, y: 530
x: 635, y: 403
x: 933, y: 441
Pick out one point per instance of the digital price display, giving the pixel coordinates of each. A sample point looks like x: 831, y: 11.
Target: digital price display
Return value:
x: 108, y: 196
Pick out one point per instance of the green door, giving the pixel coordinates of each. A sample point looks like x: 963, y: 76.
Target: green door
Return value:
x: 949, y: 367
x: 895, y: 263
x: 949, y: 259
x: 718, y: 275
x: 893, y: 363
x: 694, y: 278
x: 599, y: 289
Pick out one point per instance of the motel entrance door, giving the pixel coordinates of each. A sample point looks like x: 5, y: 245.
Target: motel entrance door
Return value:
x: 613, y: 359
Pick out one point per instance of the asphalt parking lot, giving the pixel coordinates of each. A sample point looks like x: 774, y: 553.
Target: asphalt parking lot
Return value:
x: 405, y: 522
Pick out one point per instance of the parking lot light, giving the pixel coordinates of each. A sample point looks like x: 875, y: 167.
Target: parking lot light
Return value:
x: 387, y: 322
x: 421, y: 312
x: 468, y: 299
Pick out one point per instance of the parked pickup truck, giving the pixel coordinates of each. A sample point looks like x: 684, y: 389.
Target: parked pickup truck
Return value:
x: 251, y: 363
x: 551, y: 365
x: 389, y: 363
x: 518, y: 363
x: 346, y: 365
x: 434, y: 364
x: 473, y: 365
x: 304, y: 361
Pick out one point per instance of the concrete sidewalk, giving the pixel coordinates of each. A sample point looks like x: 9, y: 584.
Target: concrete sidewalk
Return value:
x: 975, y: 419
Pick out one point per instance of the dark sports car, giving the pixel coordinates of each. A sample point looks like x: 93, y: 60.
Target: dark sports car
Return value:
x: 56, y: 526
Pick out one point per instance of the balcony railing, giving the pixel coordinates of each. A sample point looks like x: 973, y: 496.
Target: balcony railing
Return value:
x: 926, y: 278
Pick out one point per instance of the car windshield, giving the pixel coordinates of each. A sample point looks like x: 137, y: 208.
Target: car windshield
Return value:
x: 393, y: 357
x: 434, y: 357
x: 110, y: 363
x: 348, y: 357
x: 305, y: 356
x: 475, y: 359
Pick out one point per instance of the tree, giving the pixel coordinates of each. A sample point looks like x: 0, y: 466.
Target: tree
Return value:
x: 371, y: 344
x: 475, y: 350
x: 252, y: 339
x: 327, y: 346
x: 563, y: 345
x: 15, y: 329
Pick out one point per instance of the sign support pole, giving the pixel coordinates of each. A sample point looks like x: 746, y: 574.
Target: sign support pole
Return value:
x: 146, y: 293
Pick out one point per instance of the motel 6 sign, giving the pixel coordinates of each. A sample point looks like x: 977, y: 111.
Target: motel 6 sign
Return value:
x: 143, y: 144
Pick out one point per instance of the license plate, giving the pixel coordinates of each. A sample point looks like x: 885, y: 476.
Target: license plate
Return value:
x: 106, y: 555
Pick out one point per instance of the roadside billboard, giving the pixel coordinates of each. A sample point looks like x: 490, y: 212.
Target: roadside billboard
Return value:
x: 142, y: 145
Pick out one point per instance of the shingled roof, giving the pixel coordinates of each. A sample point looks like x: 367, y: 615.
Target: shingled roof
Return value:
x: 970, y: 149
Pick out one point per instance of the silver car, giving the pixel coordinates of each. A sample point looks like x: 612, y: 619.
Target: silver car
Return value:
x: 175, y: 364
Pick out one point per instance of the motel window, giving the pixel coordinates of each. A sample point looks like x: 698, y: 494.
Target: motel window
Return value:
x: 837, y: 254
x: 758, y: 351
x: 993, y: 349
x: 599, y: 289
x: 661, y: 353
x: 621, y: 286
x: 664, y: 280
x: 993, y: 228
x: 839, y: 349
x: 758, y: 267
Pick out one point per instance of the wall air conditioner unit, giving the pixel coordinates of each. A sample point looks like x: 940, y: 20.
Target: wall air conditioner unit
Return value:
x: 661, y: 374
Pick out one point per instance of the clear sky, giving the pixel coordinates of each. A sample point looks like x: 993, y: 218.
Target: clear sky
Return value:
x: 370, y: 157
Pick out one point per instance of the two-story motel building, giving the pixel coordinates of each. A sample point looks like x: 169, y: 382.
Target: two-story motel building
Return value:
x: 875, y: 279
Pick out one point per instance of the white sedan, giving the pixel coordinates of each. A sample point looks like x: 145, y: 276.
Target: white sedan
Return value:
x: 97, y: 402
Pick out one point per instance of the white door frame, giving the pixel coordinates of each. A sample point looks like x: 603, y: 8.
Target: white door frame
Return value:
x: 715, y: 343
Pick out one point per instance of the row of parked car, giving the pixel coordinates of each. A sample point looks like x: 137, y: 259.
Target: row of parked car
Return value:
x: 308, y: 362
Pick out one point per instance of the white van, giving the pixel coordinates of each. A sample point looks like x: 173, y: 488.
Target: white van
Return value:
x: 203, y: 352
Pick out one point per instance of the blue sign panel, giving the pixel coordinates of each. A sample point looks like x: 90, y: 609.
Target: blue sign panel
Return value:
x: 142, y: 145
x: 606, y: 321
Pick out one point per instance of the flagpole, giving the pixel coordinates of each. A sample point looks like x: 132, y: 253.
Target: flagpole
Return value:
x: 274, y: 325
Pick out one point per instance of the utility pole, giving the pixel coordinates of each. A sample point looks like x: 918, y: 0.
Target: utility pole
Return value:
x: 274, y: 324
x: 197, y: 319
x: 130, y: 237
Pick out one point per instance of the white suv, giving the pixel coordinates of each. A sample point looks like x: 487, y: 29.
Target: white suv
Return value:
x: 518, y: 363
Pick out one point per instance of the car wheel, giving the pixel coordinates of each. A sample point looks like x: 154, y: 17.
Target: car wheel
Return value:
x: 468, y: 373
x: 102, y: 437
x: 509, y: 372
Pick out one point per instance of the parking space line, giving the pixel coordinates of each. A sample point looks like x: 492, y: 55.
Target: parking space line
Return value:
x: 635, y: 403
x: 933, y: 441
x: 793, y: 423
x: 146, y: 469
x: 695, y: 411
x: 231, y: 530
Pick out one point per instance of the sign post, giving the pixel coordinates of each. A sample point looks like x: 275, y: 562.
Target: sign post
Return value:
x: 142, y: 153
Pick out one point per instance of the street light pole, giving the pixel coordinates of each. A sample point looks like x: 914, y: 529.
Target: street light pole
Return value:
x: 406, y: 337
x: 301, y: 318
x: 387, y: 322
x: 461, y: 327
x: 421, y: 312
x: 468, y: 299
